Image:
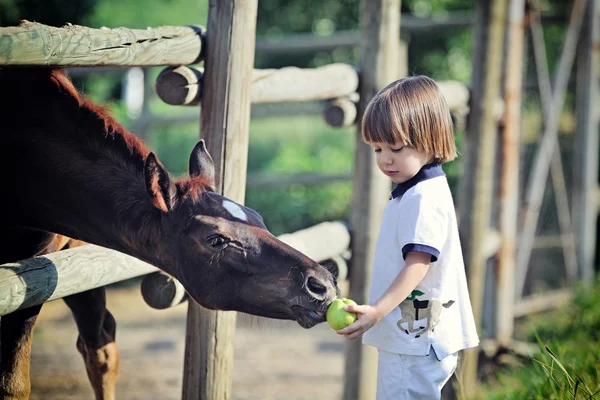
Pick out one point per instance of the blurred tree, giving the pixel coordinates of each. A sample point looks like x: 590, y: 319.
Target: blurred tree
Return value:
x: 49, y: 12
x: 440, y: 54
x: 149, y: 13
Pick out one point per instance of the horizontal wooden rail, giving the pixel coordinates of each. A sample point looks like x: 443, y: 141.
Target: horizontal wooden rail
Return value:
x: 45, y: 278
x: 40, y: 279
x: 32, y: 43
x: 542, y: 302
x: 411, y: 25
x: 324, y: 242
x: 256, y: 180
x: 343, y: 111
x: 183, y: 85
x: 257, y: 111
x: 320, y: 242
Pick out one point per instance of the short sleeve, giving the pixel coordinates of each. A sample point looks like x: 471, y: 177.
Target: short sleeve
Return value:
x: 423, y: 226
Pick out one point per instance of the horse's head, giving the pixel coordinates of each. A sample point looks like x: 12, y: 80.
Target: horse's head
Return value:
x: 223, y: 254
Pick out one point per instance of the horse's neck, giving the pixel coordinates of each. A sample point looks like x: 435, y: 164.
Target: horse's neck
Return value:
x: 87, y: 186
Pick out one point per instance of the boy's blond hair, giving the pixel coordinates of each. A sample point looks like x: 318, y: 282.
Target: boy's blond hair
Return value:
x: 413, y: 111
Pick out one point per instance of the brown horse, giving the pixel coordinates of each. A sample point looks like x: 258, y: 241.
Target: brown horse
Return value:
x: 68, y: 168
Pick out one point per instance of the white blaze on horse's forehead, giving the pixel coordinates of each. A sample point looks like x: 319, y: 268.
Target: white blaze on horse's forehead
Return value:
x: 235, y: 210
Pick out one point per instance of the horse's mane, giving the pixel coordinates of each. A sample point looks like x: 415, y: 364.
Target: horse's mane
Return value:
x: 50, y: 93
x: 111, y: 126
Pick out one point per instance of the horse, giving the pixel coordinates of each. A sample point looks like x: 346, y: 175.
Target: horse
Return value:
x: 71, y: 174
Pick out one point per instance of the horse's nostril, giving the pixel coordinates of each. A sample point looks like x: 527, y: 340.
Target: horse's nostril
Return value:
x: 315, y: 286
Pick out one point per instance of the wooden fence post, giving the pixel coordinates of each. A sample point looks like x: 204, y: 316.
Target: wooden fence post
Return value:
x: 476, y: 200
x: 379, y: 65
x: 224, y: 123
x: 509, y: 178
x: 585, y: 198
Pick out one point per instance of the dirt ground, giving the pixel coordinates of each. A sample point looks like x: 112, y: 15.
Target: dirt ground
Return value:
x: 274, y: 360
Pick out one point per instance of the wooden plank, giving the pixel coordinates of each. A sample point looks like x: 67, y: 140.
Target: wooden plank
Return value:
x: 32, y: 43
x: 45, y: 278
x: 475, y: 214
x: 542, y: 302
x: 224, y: 123
x: 509, y: 179
x: 380, y: 63
x: 321, y: 241
x: 585, y: 198
x: 491, y: 348
x: 411, y: 25
x: 183, y: 85
x: 302, y: 84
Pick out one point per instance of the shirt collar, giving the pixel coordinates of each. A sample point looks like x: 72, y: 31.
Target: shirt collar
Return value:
x: 428, y: 171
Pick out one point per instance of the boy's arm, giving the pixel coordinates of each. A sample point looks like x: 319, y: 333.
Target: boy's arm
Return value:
x: 415, y: 267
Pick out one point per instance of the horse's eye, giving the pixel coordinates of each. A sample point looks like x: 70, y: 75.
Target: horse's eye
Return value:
x: 217, y: 241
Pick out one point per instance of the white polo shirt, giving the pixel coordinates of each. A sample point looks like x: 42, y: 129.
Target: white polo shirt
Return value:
x: 420, y: 217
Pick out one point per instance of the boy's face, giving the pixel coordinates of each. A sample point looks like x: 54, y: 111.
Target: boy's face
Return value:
x: 398, y: 161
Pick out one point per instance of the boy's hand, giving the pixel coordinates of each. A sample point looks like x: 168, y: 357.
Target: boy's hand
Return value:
x: 367, y: 316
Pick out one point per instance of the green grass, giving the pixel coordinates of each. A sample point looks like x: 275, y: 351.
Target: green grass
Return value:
x: 567, y: 365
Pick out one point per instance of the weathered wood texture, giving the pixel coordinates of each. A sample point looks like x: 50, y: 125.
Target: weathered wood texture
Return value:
x: 45, y: 278
x: 381, y: 62
x: 475, y: 206
x: 32, y: 43
x: 224, y: 123
x: 298, y: 84
x: 509, y: 176
x: 180, y: 86
x: 183, y: 85
x: 160, y: 291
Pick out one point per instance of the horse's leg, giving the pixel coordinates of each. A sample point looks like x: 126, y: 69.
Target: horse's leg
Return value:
x: 16, y: 331
x: 96, y: 341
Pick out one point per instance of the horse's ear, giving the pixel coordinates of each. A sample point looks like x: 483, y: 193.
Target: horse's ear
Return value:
x: 159, y: 186
x: 201, y: 163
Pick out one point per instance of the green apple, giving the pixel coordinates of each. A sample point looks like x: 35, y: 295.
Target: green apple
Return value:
x: 337, y: 317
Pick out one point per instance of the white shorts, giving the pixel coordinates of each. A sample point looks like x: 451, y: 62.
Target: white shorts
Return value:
x: 406, y: 377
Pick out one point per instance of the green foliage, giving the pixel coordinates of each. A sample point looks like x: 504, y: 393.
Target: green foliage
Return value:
x: 149, y: 13
x: 568, y: 365
x: 286, y: 146
x: 49, y: 12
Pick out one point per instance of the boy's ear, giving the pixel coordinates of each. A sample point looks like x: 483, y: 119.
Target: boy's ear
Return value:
x: 160, y: 187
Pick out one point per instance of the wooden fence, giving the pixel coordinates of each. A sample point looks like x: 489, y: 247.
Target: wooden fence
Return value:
x: 229, y: 85
x: 226, y: 96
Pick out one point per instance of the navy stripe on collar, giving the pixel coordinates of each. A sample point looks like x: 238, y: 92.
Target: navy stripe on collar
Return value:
x: 428, y: 171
